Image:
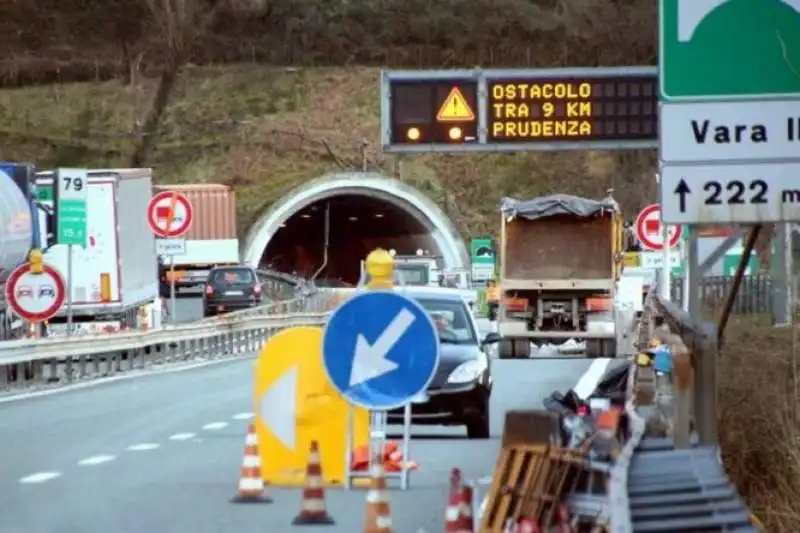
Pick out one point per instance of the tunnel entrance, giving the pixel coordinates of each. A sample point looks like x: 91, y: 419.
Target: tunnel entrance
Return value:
x: 361, y: 212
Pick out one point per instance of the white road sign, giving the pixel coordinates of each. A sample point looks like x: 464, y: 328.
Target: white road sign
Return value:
x: 729, y: 131
x: 721, y: 194
x: 170, y: 247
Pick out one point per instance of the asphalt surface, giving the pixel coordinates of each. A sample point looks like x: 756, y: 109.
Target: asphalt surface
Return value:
x: 163, y: 452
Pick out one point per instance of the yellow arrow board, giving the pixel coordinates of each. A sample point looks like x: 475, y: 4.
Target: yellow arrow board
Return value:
x: 295, y: 404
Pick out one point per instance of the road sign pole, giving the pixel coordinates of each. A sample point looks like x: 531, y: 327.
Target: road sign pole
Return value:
x: 666, y: 270
x: 69, y: 290
x: 172, y: 290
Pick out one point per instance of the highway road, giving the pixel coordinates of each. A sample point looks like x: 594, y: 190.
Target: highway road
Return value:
x: 162, y: 453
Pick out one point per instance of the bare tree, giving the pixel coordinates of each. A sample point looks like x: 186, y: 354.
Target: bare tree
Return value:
x: 180, y: 23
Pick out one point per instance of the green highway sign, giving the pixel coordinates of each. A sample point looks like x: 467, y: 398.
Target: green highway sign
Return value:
x: 729, y: 49
x: 482, y: 251
x: 71, y: 198
x: 482, y: 256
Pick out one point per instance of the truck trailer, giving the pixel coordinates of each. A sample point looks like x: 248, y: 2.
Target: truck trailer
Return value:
x: 114, y: 278
x: 18, y: 234
x: 560, y: 261
x: 212, y: 239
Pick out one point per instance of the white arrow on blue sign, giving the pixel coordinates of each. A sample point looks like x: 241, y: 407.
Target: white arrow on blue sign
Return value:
x: 380, y: 350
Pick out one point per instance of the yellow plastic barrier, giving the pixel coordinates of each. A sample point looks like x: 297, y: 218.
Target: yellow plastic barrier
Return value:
x: 295, y: 404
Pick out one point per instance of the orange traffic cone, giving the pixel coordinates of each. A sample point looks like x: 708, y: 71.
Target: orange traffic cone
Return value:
x: 378, y: 519
x: 465, y: 521
x: 251, y: 484
x: 312, y: 510
x: 452, y: 512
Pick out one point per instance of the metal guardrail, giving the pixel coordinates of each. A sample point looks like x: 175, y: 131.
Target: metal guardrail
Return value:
x: 668, y: 476
x: 58, y: 360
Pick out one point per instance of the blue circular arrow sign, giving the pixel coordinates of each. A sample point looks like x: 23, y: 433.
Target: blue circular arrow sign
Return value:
x: 380, y: 350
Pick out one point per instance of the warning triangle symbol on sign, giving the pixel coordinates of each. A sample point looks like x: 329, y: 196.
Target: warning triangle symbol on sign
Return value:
x: 455, y: 108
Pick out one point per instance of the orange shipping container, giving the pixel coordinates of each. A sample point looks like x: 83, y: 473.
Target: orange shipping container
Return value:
x: 214, y: 208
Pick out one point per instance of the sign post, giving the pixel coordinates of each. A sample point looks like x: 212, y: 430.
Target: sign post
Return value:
x: 70, y: 199
x: 169, y: 215
x: 380, y: 350
x: 729, y: 143
x: 35, y: 291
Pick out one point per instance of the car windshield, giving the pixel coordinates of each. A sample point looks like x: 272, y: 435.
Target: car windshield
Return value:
x: 237, y: 276
x: 451, y: 319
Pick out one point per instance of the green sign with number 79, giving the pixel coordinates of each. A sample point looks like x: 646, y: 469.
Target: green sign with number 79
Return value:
x: 70, y: 189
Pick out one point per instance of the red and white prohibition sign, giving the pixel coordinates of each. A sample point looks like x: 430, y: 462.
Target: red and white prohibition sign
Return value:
x: 35, y: 297
x: 649, y: 231
x: 169, y: 214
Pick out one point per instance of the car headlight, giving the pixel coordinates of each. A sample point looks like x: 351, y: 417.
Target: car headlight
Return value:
x: 466, y: 372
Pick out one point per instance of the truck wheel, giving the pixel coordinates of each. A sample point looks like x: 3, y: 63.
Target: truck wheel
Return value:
x: 522, y: 348
x: 505, y: 349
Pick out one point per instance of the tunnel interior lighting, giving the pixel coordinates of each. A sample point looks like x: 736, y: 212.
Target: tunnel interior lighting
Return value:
x: 455, y: 133
x: 352, y: 219
x: 413, y: 134
x: 419, y: 251
x: 393, y: 252
x: 305, y: 215
x: 378, y: 215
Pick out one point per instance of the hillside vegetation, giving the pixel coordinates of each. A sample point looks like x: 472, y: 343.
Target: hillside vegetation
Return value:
x: 266, y: 95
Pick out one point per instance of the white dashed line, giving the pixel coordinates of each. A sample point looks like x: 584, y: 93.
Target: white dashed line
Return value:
x: 143, y: 447
x: 182, y: 436
x: 96, y: 460
x: 243, y: 416
x: 40, y: 477
x: 215, y: 425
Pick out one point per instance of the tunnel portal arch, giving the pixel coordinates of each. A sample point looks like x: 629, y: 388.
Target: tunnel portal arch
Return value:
x: 412, y: 201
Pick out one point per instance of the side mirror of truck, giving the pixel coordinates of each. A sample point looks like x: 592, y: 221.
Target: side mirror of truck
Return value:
x: 491, y: 338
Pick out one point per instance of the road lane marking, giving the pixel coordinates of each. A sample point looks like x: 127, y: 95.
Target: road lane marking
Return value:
x: 589, y: 380
x: 182, y: 367
x: 96, y: 460
x: 40, y: 477
x: 182, y: 436
x: 143, y: 447
x: 243, y: 416
x: 215, y: 425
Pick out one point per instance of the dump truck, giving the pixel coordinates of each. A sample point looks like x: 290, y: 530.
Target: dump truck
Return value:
x: 211, y: 241
x: 561, y: 257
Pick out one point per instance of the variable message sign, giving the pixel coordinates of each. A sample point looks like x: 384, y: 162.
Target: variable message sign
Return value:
x: 519, y: 110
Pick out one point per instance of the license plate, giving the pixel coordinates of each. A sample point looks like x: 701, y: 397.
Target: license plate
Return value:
x: 420, y: 398
x: 234, y: 293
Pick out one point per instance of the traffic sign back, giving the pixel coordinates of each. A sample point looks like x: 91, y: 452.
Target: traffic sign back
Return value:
x: 728, y: 49
x: 455, y: 108
x: 380, y: 350
x: 169, y: 214
x: 649, y: 231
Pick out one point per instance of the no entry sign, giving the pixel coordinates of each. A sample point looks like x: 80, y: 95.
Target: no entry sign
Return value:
x: 35, y: 297
x: 169, y: 214
x: 649, y: 231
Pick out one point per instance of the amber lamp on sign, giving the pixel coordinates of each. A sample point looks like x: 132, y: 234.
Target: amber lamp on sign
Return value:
x: 455, y: 133
x: 105, y: 287
x: 413, y: 134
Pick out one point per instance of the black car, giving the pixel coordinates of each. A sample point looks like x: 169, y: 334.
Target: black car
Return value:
x: 231, y: 288
x: 459, y: 392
